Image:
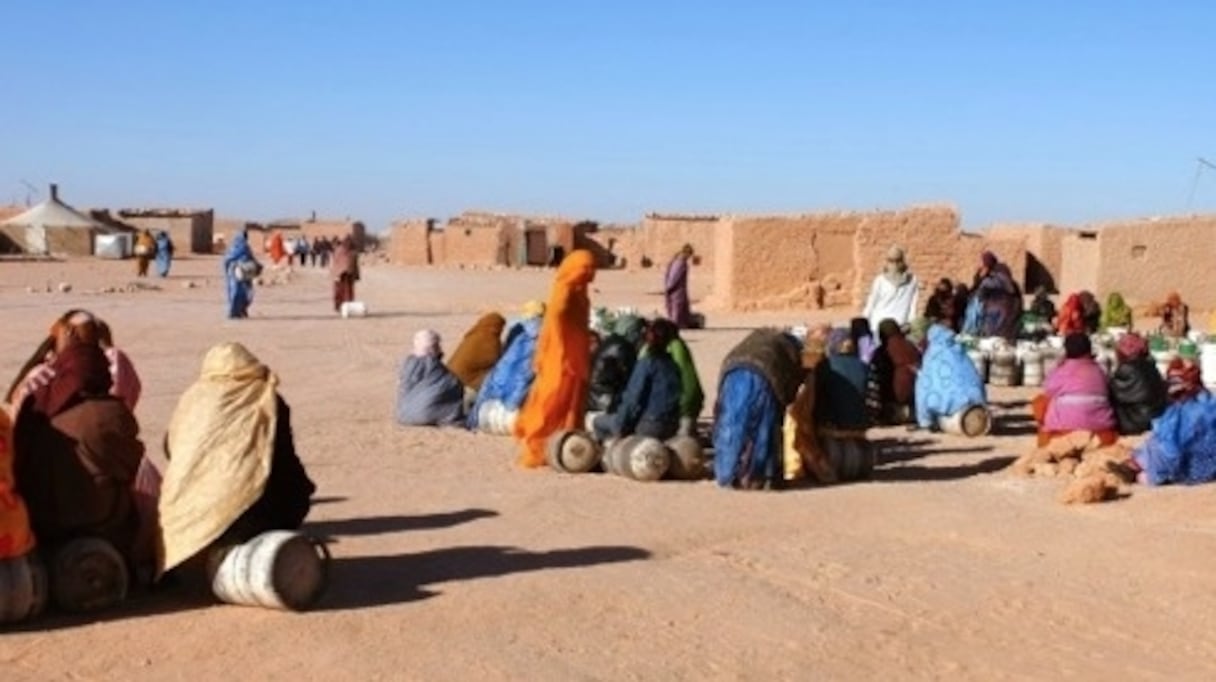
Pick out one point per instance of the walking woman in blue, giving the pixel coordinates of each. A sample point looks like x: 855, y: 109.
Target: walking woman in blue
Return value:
x: 164, y: 254
x: 240, y: 267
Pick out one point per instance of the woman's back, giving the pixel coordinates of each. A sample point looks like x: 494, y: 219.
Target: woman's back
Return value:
x: 1079, y: 398
x: 841, y: 401
x: 428, y: 393
x: 1138, y: 395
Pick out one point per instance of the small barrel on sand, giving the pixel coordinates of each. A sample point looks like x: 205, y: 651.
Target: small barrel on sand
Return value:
x: 851, y: 454
x: 276, y: 570
x: 573, y: 452
x: 637, y: 457
x: 980, y: 360
x: 1032, y: 368
x: 88, y: 574
x: 495, y: 419
x: 353, y: 309
x: 973, y: 421
x: 23, y: 588
x: 687, y: 459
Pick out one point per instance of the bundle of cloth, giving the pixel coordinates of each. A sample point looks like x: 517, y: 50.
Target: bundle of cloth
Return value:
x: 509, y: 380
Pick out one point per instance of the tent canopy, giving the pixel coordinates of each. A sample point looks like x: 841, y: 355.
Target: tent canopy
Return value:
x: 52, y: 214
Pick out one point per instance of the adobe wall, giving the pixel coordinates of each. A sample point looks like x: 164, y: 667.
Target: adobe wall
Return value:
x: 620, y: 246
x: 1044, y: 251
x: 474, y: 245
x: 783, y: 262
x: 1146, y: 259
x: 191, y: 232
x: 664, y: 235
x: 1081, y: 259
x: 930, y: 237
x: 409, y: 243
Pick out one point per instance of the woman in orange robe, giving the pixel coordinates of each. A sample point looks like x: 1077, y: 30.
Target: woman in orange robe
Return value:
x: 276, y: 248
x: 563, y: 361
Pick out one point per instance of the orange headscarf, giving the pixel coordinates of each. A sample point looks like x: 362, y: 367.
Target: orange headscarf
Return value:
x: 16, y: 538
x: 562, y: 363
x: 478, y: 351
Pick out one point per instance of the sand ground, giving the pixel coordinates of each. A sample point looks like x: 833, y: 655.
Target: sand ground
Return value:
x: 452, y: 564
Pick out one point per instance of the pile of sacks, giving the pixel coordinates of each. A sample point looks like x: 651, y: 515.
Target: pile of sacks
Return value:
x: 1097, y: 472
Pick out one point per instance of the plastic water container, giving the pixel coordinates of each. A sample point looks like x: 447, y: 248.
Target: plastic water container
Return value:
x: 353, y: 309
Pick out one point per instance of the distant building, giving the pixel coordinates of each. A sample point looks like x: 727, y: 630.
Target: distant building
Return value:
x: 190, y: 229
x: 53, y: 228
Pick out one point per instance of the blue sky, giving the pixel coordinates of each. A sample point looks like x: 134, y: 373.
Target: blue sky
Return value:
x: 1061, y: 111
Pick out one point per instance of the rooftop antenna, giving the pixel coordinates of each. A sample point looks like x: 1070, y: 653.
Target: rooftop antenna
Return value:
x: 30, y: 192
x: 1200, y: 165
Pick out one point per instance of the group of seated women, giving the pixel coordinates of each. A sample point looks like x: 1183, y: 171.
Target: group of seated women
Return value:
x: 640, y: 376
x: 80, y: 468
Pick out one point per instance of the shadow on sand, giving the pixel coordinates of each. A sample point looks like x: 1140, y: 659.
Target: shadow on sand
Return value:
x: 1014, y: 425
x: 894, y: 450
x: 921, y: 473
x: 380, y: 525
x: 364, y: 582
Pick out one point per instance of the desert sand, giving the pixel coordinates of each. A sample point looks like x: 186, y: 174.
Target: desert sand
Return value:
x: 450, y: 563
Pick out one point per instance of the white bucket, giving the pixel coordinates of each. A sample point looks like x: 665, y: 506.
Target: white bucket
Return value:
x: 1163, y: 360
x: 1032, y: 368
x: 353, y: 309
x: 495, y: 419
x: 277, y: 570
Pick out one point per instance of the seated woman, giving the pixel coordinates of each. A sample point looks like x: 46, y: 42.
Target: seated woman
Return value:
x: 1117, y: 314
x: 650, y: 405
x: 76, y: 324
x: 478, y: 352
x: 1091, y: 312
x: 1182, y: 446
x: 1137, y: 389
x: 509, y: 381
x: 1042, y: 307
x: 947, y: 382
x: 802, y: 434
x: 1075, y: 396
x: 1071, y: 319
x: 893, y: 376
x: 840, y: 401
x: 759, y: 379
x: 1175, y: 317
x: 77, y: 449
x: 233, y: 472
x: 692, y: 397
x: 612, y: 363
x: 428, y: 394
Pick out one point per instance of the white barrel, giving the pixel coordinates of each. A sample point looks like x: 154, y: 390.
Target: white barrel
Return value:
x: 573, y: 452
x: 276, y: 570
x: 688, y: 461
x: 88, y: 574
x: 973, y: 422
x: 353, y: 309
x: 1032, y: 368
x: 1163, y: 358
x: 494, y: 418
x: 980, y: 359
x: 637, y: 457
x: 1207, y: 364
x: 1003, y: 370
x: 23, y: 588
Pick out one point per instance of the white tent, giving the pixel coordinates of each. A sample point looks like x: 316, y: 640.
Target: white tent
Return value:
x: 48, y: 216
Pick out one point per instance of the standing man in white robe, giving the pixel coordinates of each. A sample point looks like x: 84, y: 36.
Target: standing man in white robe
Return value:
x: 894, y: 294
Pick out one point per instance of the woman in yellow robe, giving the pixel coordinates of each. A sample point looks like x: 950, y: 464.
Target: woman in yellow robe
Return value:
x: 563, y: 361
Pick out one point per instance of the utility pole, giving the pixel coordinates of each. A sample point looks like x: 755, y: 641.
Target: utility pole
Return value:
x: 1200, y: 164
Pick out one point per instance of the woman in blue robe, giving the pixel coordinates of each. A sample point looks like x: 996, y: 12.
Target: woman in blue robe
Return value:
x: 240, y: 290
x: 164, y: 254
